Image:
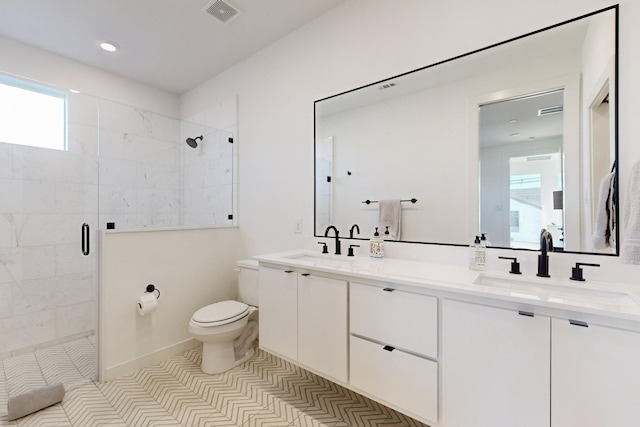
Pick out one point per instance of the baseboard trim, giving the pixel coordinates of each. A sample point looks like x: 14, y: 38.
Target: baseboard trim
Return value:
x: 111, y: 373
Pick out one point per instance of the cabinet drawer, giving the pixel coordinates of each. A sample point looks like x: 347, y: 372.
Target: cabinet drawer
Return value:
x: 407, y: 381
x: 401, y: 319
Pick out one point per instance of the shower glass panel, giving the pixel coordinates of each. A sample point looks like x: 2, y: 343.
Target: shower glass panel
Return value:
x: 48, y: 287
x: 207, y: 176
x: 151, y: 178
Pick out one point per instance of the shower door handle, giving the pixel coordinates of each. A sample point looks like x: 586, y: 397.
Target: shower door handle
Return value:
x: 85, y: 239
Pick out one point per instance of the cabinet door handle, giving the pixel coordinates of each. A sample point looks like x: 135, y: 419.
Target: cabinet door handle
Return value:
x: 288, y: 271
x: 578, y: 323
x: 525, y: 313
x: 388, y: 289
x: 306, y: 274
x: 388, y: 348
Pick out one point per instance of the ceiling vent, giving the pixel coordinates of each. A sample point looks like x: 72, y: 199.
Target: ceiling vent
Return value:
x: 223, y: 11
x: 386, y: 86
x: 550, y: 110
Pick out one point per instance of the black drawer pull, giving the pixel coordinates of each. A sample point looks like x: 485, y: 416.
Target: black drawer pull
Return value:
x: 525, y: 313
x: 578, y: 323
x: 388, y: 289
x: 288, y: 271
x: 388, y: 348
x: 306, y: 274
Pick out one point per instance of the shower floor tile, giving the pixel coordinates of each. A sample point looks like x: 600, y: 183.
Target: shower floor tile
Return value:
x: 264, y: 391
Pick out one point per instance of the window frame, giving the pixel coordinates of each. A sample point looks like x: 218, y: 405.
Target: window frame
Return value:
x: 38, y: 88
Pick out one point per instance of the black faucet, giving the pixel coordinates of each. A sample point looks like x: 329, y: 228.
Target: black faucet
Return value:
x: 351, y: 231
x: 337, y: 234
x: 546, y: 245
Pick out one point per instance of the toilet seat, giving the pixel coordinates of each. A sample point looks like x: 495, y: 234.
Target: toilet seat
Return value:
x: 220, y: 313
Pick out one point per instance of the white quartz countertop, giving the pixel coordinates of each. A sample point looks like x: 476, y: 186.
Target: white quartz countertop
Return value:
x: 590, y: 297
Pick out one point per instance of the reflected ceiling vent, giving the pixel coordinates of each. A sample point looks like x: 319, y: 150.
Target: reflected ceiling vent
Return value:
x: 223, y: 11
x: 386, y: 86
x: 550, y: 110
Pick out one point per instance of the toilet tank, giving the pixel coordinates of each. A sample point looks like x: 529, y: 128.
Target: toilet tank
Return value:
x: 248, y: 281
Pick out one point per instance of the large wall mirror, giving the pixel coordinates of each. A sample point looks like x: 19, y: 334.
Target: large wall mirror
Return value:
x: 507, y: 140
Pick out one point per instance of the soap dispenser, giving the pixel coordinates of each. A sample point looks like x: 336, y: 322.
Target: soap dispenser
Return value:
x: 376, y: 245
x: 477, y: 255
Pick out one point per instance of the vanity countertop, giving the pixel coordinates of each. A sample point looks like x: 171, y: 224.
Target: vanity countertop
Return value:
x: 590, y: 297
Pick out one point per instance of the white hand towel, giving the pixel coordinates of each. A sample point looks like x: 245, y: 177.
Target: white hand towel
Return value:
x: 600, y: 238
x: 630, y: 253
x: 390, y: 215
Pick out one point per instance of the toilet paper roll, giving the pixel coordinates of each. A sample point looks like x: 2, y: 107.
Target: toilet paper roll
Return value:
x: 147, y: 303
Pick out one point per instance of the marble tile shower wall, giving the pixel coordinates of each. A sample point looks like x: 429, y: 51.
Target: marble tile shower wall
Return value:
x: 139, y: 168
x: 149, y: 176
x: 207, y: 177
x: 47, y: 287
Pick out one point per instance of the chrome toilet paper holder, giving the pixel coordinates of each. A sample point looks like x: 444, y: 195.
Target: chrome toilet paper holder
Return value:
x: 152, y: 288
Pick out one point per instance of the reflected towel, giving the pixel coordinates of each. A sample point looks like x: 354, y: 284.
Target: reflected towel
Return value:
x: 602, y: 232
x: 630, y: 253
x: 390, y: 215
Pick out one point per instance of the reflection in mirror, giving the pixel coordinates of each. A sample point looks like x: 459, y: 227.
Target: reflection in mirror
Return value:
x: 521, y: 170
x: 420, y: 135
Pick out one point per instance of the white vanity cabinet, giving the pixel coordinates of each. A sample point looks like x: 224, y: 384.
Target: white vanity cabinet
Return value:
x: 596, y: 375
x: 495, y: 367
x: 322, y: 325
x: 394, y: 347
x: 303, y: 317
x: 452, y: 355
x: 278, y: 305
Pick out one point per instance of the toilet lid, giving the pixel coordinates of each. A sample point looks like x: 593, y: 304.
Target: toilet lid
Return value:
x: 221, y: 313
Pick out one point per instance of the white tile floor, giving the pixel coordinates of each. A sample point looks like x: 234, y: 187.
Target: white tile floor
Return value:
x: 265, y: 391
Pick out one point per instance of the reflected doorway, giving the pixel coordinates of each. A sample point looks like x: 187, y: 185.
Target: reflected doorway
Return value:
x: 521, y: 169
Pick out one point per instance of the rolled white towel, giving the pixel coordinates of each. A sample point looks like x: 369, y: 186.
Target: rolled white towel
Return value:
x: 34, y: 400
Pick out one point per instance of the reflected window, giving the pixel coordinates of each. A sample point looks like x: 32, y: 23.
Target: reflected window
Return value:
x: 525, y: 203
x: 32, y: 115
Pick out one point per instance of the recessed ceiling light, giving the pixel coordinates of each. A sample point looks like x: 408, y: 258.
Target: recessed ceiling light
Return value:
x: 531, y: 138
x: 74, y: 91
x: 109, y: 46
x: 515, y: 134
x: 512, y: 121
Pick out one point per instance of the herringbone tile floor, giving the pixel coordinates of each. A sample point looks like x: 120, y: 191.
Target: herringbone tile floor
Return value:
x: 264, y: 391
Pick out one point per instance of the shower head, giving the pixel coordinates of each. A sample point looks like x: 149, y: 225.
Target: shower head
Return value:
x: 193, y: 142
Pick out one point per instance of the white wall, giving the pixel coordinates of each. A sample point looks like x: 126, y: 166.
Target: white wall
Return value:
x: 358, y: 43
x: 191, y: 268
x: 27, y: 61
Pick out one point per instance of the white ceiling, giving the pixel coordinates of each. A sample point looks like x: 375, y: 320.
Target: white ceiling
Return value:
x: 170, y: 44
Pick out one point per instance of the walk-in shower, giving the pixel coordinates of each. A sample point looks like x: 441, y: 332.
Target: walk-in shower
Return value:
x: 120, y: 164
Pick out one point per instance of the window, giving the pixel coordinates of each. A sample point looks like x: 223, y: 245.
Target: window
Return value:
x: 32, y: 115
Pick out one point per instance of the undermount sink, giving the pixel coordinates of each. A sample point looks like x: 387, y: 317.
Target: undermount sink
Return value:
x: 580, y: 294
x: 321, y: 259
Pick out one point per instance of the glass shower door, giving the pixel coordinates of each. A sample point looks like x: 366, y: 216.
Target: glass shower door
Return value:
x: 48, y: 280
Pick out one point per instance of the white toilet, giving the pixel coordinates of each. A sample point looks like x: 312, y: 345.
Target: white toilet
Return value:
x: 227, y: 329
